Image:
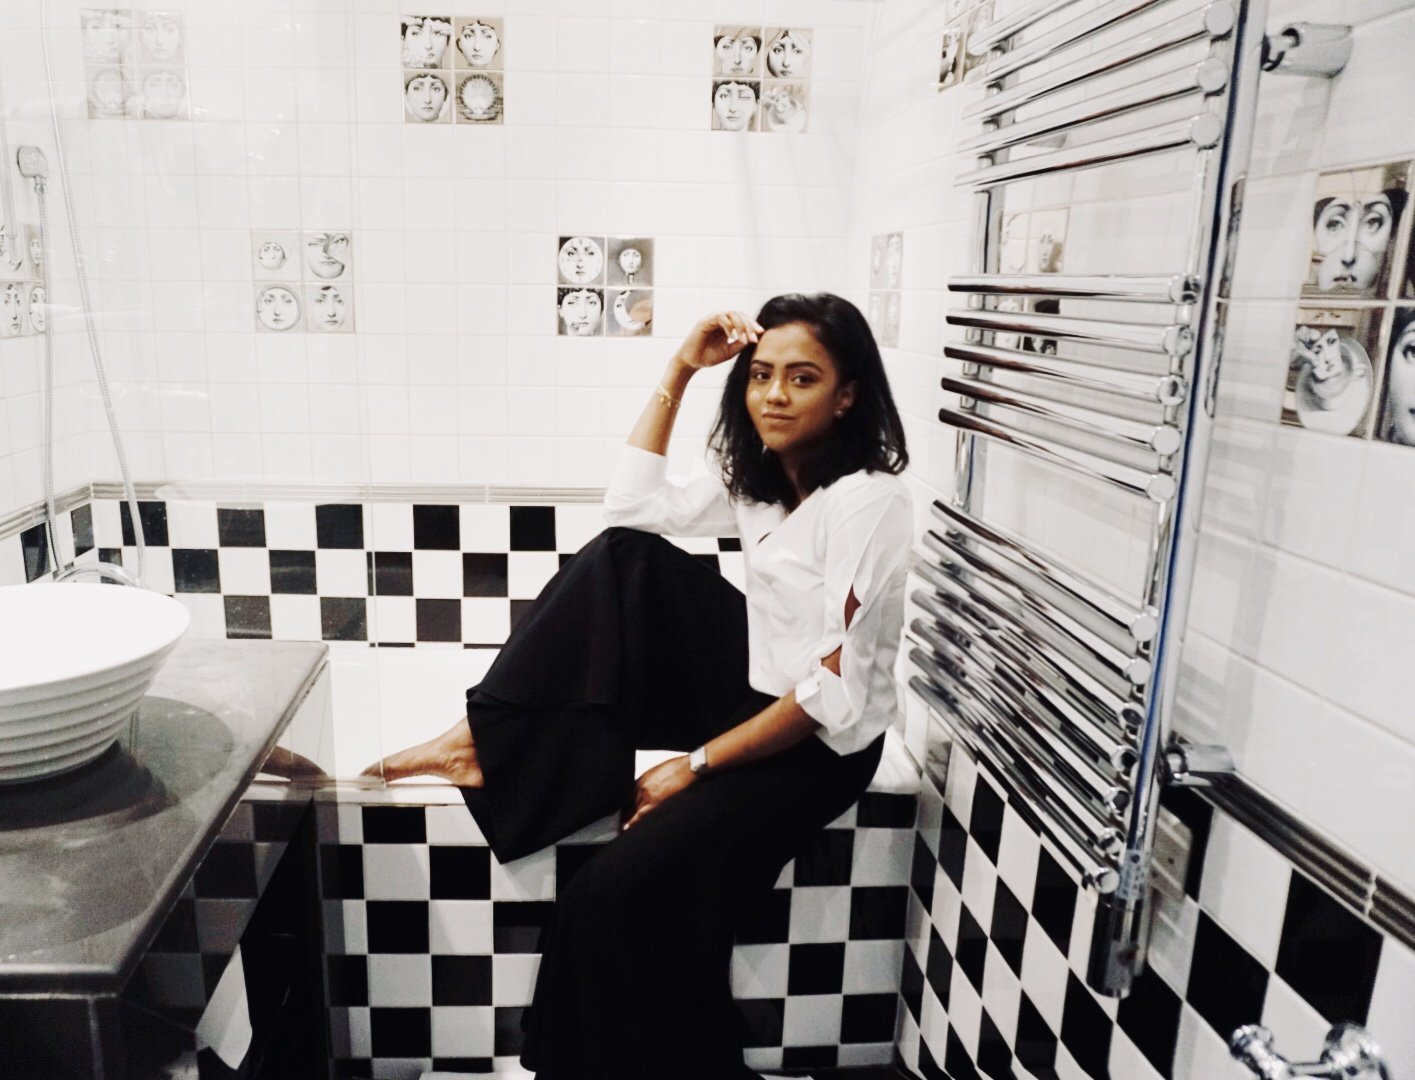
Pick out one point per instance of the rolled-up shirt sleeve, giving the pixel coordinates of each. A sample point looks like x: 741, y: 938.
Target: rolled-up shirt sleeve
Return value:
x: 867, y: 550
x: 641, y: 495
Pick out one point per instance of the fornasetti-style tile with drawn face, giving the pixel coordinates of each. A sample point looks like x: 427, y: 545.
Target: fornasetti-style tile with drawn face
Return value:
x: 1334, y: 370
x: 585, y: 265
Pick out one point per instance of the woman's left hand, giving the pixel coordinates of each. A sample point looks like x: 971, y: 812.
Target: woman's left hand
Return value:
x: 659, y: 783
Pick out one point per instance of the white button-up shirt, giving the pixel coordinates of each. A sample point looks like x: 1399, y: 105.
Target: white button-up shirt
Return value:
x: 800, y: 568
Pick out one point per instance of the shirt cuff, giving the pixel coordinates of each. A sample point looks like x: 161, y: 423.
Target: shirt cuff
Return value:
x: 638, y: 471
x: 822, y: 695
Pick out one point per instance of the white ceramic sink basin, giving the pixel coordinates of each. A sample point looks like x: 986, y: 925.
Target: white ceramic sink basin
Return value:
x: 75, y: 660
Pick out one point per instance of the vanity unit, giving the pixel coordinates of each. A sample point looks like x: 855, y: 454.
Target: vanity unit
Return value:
x: 173, y: 870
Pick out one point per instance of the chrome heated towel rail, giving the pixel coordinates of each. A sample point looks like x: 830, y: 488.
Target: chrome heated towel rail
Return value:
x: 1064, y: 686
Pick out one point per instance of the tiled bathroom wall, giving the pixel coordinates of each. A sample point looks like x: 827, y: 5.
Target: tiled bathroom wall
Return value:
x: 1301, y: 617
x: 454, y: 372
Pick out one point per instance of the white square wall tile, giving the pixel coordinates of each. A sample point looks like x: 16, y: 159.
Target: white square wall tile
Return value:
x: 463, y: 1030
x: 820, y: 913
x: 873, y: 967
x: 760, y: 971
x: 459, y: 927
x: 485, y: 620
x: 398, y: 979
x: 244, y: 571
x: 390, y: 526
x: 1241, y: 876
x: 394, y: 618
x: 396, y: 872
x: 486, y: 527
x: 191, y: 524
x: 437, y: 575
x: 341, y: 572
x: 812, y: 1020
x: 453, y: 825
x: 294, y: 618
x: 513, y: 978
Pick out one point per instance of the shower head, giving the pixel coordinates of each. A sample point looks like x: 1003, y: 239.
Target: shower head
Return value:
x: 32, y: 162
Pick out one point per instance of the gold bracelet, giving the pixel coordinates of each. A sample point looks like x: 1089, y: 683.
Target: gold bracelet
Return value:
x: 667, y: 398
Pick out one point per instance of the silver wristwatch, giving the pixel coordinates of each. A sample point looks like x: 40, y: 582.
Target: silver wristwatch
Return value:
x: 697, y: 761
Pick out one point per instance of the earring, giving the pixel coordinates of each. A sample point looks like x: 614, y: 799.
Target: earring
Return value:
x: 839, y: 413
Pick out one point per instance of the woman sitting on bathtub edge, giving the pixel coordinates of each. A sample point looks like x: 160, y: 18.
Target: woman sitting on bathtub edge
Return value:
x: 779, y: 699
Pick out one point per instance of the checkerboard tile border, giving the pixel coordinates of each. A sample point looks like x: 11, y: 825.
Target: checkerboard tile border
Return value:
x: 998, y: 931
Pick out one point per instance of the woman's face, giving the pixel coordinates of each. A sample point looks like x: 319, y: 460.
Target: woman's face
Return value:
x: 327, y: 253
x: 581, y: 311
x: 479, y: 43
x: 581, y: 260
x: 793, y: 390
x: 477, y: 98
x: 36, y: 251
x: 425, y: 97
x: 736, y: 53
x: 1350, y: 238
x: 162, y: 94
x: 629, y: 261
x: 105, y: 34
x: 1400, y: 388
x: 36, y: 308
x: 786, y: 56
x: 277, y: 308
x: 425, y: 42
x: 12, y: 310
x: 271, y: 255
x: 330, y: 311
x: 894, y: 257
x: 161, y: 35
x: 734, y: 103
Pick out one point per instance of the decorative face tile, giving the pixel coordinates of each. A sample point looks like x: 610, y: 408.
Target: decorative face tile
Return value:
x: 330, y: 309
x: 788, y: 52
x: 163, y: 93
x: 734, y: 104
x: 427, y: 97
x: 479, y: 98
x: 581, y: 260
x: 1332, y: 376
x: 581, y: 312
x: 1355, y: 223
x: 950, y: 63
x: 736, y: 51
x: 110, y: 95
x: 328, y: 255
x: 631, y: 313
x: 425, y: 41
x: 277, y: 309
x: 630, y: 260
x: 161, y: 38
x: 783, y: 107
x: 478, y: 43
x: 1397, y: 414
x: 106, y: 34
x: 14, y: 321
x: 275, y: 255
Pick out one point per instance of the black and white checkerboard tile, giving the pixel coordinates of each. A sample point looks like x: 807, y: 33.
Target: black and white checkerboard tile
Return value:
x: 431, y: 943
x: 395, y: 574
x: 998, y: 933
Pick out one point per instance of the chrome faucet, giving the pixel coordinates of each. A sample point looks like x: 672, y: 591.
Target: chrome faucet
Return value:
x: 112, y: 571
x: 1348, y: 1054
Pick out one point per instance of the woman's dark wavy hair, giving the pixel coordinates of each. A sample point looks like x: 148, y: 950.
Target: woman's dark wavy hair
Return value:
x: 869, y: 436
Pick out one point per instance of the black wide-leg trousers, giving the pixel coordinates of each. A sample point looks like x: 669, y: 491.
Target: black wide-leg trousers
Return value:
x: 636, y: 644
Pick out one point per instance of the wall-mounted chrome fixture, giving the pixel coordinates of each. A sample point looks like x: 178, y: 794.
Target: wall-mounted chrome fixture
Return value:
x: 1349, y: 1053
x: 1320, y: 49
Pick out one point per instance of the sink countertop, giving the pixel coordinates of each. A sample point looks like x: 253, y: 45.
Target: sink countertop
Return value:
x: 91, y: 861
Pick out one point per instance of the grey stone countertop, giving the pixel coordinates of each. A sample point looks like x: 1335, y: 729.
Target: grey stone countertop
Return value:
x: 91, y: 861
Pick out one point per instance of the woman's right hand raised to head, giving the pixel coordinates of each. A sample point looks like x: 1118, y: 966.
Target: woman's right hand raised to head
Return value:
x: 717, y: 338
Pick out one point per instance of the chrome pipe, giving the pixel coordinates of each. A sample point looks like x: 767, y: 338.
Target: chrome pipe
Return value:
x: 1142, y: 288
x: 1148, y: 388
x: 1097, y: 763
x: 1156, y: 486
x: 1201, y: 131
x: 1130, y: 627
x: 1070, y: 839
x: 998, y: 31
x: 1208, y: 77
x: 1214, y: 21
x: 1090, y: 707
x: 1132, y: 435
x: 1100, y: 807
x: 1046, y: 621
x: 1173, y: 339
x: 1072, y: 32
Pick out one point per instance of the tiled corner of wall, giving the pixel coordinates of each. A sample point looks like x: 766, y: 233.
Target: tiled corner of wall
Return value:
x: 999, y: 930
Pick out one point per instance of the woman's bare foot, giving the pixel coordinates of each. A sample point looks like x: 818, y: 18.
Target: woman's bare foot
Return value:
x: 451, y: 756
